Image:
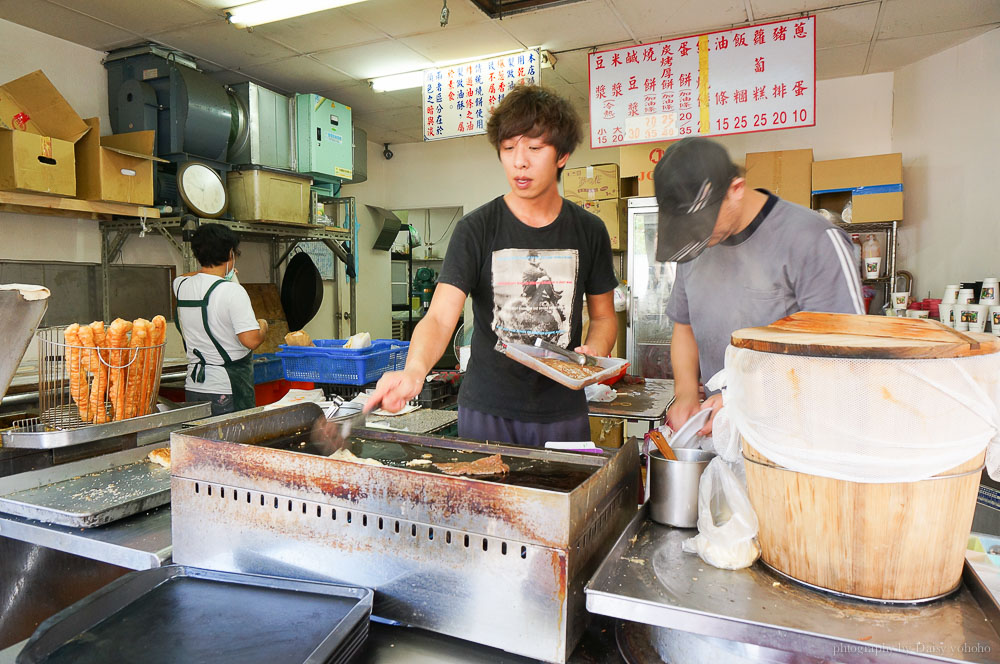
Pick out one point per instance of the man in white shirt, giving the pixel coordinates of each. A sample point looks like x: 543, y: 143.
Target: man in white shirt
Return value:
x: 217, y: 322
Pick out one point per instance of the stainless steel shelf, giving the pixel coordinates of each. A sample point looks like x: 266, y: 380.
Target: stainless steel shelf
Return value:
x: 36, y: 435
x: 138, y: 542
x: 647, y: 578
x: 282, y: 239
x: 300, y: 232
x: 891, y: 229
x: 868, y: 227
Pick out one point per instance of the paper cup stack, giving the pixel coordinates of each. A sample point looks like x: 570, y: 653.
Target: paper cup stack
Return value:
x: 959, y: 309
x: 989, y: 298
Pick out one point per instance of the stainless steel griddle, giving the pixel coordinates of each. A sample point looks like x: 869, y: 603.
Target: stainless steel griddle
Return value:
x: 500, y: 561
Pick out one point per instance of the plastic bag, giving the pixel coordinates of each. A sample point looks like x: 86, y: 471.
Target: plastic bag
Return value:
x: 298, y: 338
x: 620, y: 298
x: 600, y: 393
x: 848, y: 212
x: 727, y: 523
x: 359, y: 340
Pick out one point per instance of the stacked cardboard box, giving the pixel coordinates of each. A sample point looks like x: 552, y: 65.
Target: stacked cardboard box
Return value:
x: 45, y: 147
x: 785, y: 173
x: 596, y: 188
x: 873, y: 185
x: 637, y: 164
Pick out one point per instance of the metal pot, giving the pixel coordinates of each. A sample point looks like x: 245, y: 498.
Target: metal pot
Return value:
x: 673, y: 486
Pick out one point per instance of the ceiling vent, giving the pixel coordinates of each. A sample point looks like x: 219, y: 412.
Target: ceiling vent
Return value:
x: 501, y: 8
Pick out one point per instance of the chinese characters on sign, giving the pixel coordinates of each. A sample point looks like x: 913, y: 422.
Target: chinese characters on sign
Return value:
x: 754, y: 78
x: 458, y: 100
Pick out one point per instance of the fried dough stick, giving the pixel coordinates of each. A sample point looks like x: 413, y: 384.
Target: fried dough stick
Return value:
x: 79, y: 388
x: 156, y: 333
x: 136, y: 369
x: 117, y: 338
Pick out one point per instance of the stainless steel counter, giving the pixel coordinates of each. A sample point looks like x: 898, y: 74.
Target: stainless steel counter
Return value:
x: 138, y: 542
x: 638, y: 403
x: 647, y: 578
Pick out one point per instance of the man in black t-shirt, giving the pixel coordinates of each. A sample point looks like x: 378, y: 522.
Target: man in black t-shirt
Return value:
x: 527, y: 259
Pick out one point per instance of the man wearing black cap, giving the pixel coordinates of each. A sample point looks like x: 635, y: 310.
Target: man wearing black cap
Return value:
x: 746, y: 259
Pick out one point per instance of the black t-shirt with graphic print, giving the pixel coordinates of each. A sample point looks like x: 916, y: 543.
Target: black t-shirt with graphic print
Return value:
x: 525, y: 283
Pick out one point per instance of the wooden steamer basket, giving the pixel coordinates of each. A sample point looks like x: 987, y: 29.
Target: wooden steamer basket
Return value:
x: 896, y: 542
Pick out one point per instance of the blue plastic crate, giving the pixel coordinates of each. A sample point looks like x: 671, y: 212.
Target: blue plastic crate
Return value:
x: 328, y: 362
x: 267, y: 368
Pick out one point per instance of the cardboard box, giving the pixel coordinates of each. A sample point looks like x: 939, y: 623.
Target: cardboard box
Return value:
x: 637, y: 164
x: 857, y: 172
x: 264, y: 194
x: 590, y: 183
x: 115, y: 168
x: 38, y: 128
x: 873, y: 184
x: 29, y: 162
x: 785, y: 173
x: 612, y: 212
x: 32, y: 104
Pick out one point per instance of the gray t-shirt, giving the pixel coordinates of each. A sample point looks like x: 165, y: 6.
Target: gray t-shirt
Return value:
x: 789, y: 259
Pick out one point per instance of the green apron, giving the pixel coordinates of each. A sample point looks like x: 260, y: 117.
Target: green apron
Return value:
x: 240, y: 371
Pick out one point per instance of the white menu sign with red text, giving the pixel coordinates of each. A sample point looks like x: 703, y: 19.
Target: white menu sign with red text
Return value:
x: 458, y: 100
x: 756, y: 78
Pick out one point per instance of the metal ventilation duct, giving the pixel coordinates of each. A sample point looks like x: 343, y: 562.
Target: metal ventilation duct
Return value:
x: 389, y: 225
x: 501, y: 8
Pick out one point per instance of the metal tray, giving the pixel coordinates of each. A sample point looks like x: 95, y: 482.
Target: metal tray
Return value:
x: 185, y: 614
x: 530, y: 357
x: 88, y: 493
x: 35, y: 435
x: 647, y: 578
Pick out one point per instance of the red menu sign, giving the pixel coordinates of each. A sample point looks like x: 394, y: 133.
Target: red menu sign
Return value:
x: 756, y: 78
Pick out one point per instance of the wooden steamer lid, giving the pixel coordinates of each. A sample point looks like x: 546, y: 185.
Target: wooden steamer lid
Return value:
x: 866, y: 337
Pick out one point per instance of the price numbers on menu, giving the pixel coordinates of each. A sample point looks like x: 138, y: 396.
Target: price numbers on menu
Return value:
x: 771, y: 120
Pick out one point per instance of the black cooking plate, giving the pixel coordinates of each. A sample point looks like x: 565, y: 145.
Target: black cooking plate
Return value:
x: 524, y: 472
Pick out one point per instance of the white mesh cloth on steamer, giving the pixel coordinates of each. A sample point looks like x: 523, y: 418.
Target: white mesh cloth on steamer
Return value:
x: 866, y: 420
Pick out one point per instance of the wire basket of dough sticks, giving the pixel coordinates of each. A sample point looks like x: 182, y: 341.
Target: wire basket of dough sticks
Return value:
x: 95, y: 374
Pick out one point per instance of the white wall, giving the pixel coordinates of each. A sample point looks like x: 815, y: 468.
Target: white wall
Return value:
x: 945, y: 124
x: 853, y: 119
x: 435, y: 226
x: 374, y: 308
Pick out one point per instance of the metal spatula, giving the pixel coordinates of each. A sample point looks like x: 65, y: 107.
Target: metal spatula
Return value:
x: 577, y: 358
x: 330, y: 435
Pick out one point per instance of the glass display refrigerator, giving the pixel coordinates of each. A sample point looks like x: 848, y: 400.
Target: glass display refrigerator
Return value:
x: 649, y: 283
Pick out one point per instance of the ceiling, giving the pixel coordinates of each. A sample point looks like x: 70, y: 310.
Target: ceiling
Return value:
x: 335, y: 52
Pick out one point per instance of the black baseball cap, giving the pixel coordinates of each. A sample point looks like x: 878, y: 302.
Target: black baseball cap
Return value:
x: 691, y: 180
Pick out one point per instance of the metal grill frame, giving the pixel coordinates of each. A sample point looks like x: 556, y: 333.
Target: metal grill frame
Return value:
x: 496, y: 564
x: 57, y: 409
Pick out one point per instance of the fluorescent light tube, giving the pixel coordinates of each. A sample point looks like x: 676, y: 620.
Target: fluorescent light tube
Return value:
x: 412, y: 79
x: 267, y: 11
